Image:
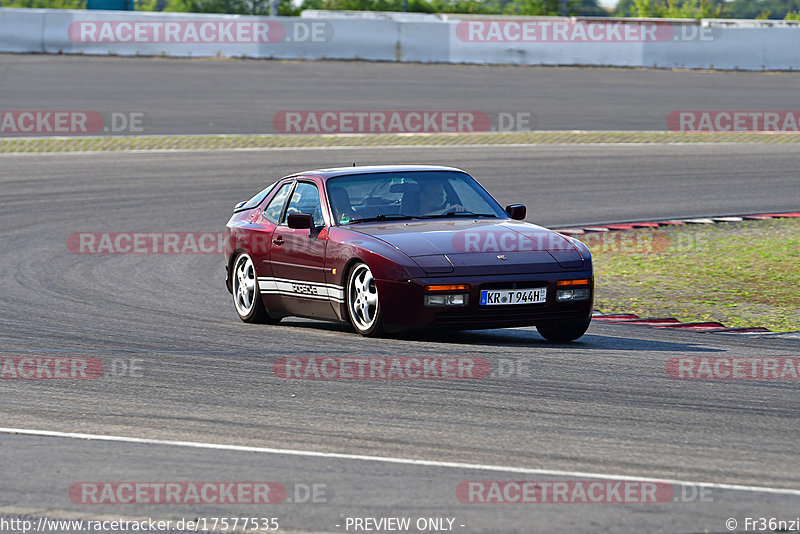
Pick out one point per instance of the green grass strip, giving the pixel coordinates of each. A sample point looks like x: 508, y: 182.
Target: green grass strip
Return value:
x: 226, y: 142
x: 740, y: 274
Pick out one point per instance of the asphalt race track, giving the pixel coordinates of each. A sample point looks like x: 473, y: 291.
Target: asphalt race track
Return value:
x: 602, y: 405
x: 182, y: 371
x: 213, y: 96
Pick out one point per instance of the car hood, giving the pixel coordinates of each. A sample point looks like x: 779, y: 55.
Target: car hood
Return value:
x: 468, y: 247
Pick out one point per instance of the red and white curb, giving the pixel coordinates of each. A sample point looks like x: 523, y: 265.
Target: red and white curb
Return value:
x: 673, y: 222
x: 670, y: 322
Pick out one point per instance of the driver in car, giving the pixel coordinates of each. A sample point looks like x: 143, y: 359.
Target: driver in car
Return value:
x: 433, y: 199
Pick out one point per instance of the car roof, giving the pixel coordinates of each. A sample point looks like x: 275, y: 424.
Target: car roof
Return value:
x: 371, y: 169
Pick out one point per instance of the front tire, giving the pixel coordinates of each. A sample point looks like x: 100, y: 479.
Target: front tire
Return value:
x: 563, y: 331
x: 246, y: 296
x: 363, y: 305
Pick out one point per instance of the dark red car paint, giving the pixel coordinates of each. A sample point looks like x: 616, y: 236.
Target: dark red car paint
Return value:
x: 404, y: 257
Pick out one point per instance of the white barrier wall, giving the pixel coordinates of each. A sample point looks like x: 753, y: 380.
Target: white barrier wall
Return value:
x: 21, y: 30
x: 736, y: 48
x: 718, y: 44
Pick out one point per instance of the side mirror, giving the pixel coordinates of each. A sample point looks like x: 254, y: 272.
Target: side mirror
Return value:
x: 300, y: 221
x: 516, y: 211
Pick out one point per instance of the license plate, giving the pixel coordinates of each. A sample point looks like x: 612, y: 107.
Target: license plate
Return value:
x: 504, y: 297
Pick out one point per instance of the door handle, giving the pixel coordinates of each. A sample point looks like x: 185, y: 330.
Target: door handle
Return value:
x: 278, y: 241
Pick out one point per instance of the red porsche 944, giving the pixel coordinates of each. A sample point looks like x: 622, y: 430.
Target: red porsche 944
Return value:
x: 390, y: 248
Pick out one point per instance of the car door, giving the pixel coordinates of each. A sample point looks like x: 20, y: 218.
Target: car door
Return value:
x: 297, y: 256
x: 261, y: 244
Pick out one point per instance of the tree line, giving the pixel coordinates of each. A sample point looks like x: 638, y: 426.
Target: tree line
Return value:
x: 697, y: 9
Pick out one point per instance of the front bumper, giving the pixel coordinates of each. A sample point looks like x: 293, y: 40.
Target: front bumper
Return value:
x: 403, y: 303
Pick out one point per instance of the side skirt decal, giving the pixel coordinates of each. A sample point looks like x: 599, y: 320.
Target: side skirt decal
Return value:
x: 301, y: 289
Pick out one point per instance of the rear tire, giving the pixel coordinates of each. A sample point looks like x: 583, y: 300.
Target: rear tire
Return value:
x: 246, y: 297
x: 563, y: 331
x: 363, y: 305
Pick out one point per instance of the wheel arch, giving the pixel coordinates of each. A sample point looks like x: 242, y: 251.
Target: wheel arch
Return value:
x: 346, y: 270
x: 229, y: 267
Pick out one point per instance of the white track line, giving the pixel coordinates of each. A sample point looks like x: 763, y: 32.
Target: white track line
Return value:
x: 402, y: 461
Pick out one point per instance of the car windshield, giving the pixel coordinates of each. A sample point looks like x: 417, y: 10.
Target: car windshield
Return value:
x: 409, y: 195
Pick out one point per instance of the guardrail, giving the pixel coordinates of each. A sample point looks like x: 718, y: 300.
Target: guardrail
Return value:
x: 659, y: 43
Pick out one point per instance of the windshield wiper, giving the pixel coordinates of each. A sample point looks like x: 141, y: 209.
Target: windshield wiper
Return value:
x: 384, y: 217
x: 460, y: 214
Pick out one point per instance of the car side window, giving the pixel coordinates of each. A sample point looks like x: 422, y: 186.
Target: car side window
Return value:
x: 305, y: 199
x: 273, y: 210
